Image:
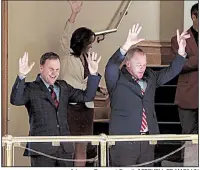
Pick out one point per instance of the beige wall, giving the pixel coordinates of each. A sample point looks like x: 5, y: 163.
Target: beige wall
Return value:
x: 36, y: 26
x: 171, y: 18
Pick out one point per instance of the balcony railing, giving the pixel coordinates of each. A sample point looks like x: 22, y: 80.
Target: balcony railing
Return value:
x: 9, y: 142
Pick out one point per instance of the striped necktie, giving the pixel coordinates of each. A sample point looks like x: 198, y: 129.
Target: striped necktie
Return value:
x: 53, y: 96
x: 144, y: 118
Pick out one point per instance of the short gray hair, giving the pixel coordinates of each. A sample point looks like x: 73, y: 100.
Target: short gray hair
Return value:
x: 130, y: 53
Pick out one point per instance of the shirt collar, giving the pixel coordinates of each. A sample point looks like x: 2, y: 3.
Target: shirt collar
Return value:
x: 135, y: 79
x: 193, y: 30
x: 46, y: 84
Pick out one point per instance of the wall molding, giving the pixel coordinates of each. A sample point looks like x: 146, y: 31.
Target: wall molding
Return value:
x: 158, y: 52
x: 4, y: 68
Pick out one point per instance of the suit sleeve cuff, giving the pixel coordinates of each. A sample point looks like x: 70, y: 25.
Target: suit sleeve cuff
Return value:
x: 21, y: 77
x: 96, y: 75
x: 123, y: 52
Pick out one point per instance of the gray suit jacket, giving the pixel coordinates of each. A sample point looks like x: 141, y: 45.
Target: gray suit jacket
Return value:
x: 126, y: 99
x: 44, y: 118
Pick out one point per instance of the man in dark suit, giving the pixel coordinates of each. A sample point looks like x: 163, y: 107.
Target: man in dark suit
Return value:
x: 132, y: 91
x: 187, y: 88
x: 46, y: 100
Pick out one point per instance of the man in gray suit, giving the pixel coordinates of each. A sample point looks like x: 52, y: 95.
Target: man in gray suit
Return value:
x: 46, y: 100
x: 132, y: 90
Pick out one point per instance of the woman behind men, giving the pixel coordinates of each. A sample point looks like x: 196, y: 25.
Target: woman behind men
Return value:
x: 74, y: 70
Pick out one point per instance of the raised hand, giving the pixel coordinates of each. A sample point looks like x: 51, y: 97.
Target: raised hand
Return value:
x: 24, y: 68
x: 181, y: 39
x: 93, y: 62
x: 132, y: 38
x: 76, y: 6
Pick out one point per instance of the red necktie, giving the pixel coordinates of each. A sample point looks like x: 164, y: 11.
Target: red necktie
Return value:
x: 144, y: 118
x: 53, y: 95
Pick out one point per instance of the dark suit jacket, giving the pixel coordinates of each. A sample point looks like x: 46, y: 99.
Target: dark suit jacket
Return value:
x: 187, y: 87
x: 126, y: 99
x: 44, y: 118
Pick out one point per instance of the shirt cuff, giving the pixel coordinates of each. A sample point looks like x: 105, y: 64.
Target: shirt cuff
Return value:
x: 123, y: 52
x: 21, y: 77
x: 185, y: 55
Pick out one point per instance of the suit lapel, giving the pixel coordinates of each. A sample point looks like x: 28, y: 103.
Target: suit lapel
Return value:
x: 45, y: 90
x: 60, y: 94
x: 191, y: 43
x: 136, y: 88
x: 148, y: 80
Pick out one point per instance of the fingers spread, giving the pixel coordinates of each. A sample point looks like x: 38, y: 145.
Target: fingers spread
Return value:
x: 89, y: 57
x: 178, y: 35
x: 20, y: 61
x: 99, y: 59
x: 183, y: 33
x: 95, y: 56
x: 186, y: 36
x: 31, y: 66
x: 139, y: 29
x: 133, y: 28
x: 129, y: 33
x: 23, y: 58
x: 26, y: 59
x: 136, y: 28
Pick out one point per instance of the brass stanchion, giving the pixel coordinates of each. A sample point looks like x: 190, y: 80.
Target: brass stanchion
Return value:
x: 103, y: 150
x: 8, y: 142
x: 9, y: 150
x: 9, y: 154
